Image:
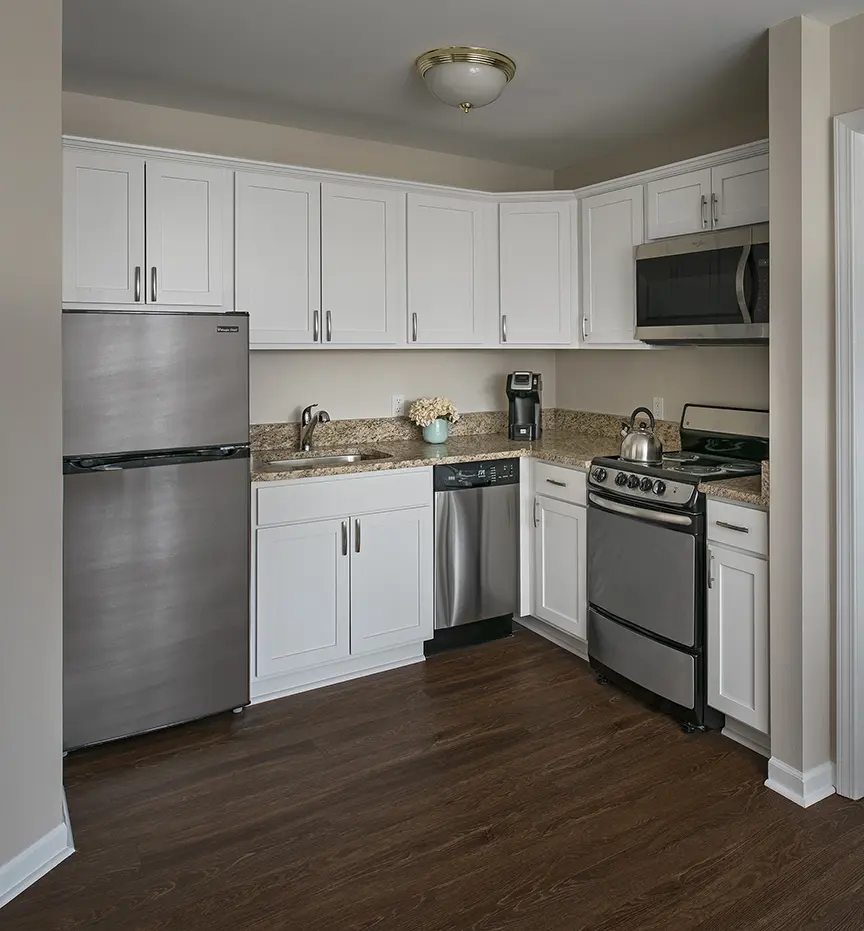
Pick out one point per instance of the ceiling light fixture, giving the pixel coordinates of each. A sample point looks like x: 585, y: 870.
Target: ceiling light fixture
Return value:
x: 464, y: 76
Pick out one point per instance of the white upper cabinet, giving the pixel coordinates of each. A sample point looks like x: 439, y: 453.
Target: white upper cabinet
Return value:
x: 612, y: 226
x: 185, y: 230
x: 535, y: 270
x: 391, y: 573
x: 278, y: 257
x: 450, y: 275
x: 362, y: 265
x: 680, y: 205
x: 740, y: 191
x: 738, y: 671
x: 103, y: 227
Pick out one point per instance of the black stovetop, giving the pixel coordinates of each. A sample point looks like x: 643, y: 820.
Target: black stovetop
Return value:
x: 687, y: 467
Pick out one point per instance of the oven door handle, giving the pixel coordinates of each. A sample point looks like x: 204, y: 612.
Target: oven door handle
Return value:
x: 739, y: 284
x: 628, y: 510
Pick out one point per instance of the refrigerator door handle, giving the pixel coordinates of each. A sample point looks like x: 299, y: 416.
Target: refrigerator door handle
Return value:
x: 84, y: 464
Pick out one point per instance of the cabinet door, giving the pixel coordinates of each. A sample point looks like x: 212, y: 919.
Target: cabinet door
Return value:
x: 449, y: 289
x: 740, y: 190
x: 302, y: 596
x: 738, y: 636
x: 560, y: 565
x: 103, y: 227
x: 680, y: 205
x: 612, y: 226
x: 185, y: 215
x: 278, y: 257
x: 362, y: 264
x: 391, y: 579
x: 535, y: 273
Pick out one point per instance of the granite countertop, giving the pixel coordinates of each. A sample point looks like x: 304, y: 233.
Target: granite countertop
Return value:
x: 747, y: 490
x: 564, y: 448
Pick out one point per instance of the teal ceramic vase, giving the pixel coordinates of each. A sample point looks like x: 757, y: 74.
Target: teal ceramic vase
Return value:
x: 437, y: 431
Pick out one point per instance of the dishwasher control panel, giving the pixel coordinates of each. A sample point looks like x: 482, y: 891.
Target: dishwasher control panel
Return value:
x: 476, y: 474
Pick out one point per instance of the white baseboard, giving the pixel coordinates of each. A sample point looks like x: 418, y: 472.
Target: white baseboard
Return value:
x: 303, y: 680
x: 37, y: 860
x: 558, y: 637
x: 804, y: 789
x: 748, y: 737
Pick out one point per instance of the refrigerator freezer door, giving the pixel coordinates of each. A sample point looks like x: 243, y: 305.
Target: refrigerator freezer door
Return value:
x: 156, y: 597
x: 138, y: 381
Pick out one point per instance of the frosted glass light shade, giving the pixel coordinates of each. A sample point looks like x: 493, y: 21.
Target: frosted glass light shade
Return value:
x: 465, y: 76
x: 464, y: 82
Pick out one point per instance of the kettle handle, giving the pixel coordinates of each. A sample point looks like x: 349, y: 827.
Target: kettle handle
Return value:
x: 641, y: 410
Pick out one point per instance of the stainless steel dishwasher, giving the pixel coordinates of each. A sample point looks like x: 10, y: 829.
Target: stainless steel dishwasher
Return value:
x: 476, y: 551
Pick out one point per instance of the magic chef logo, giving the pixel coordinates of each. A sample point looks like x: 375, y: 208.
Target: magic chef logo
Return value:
x: 227, y: 329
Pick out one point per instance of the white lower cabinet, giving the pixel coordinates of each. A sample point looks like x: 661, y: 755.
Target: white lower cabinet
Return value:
x: 391, y: 595
x: 303, y: 596
x: 560, y: 565
x: 350, y: 577
x: 738, y: 672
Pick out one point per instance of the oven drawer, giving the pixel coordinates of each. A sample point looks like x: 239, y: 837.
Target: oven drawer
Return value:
x: 733, y: 525
x: 659, y: 668
x: 557, y: 482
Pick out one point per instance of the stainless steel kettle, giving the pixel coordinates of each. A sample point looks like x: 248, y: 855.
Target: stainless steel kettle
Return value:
x: 640, y: 443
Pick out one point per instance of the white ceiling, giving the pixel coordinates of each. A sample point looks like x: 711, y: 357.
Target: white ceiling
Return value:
x: 593, y: 75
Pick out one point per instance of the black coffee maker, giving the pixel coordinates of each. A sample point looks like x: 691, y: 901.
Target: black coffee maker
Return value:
x: 523, y: 393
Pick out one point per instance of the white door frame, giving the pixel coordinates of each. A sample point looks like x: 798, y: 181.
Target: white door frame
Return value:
x: 849, y: 259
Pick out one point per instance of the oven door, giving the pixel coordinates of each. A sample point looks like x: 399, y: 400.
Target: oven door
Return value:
x: 643, y: 568
x: 711, y: 287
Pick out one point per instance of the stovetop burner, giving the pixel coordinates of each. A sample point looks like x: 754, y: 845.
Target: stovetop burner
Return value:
x: 685, y: 466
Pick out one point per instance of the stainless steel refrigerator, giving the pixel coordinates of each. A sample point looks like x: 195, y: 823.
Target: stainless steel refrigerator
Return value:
x: 156, y: 520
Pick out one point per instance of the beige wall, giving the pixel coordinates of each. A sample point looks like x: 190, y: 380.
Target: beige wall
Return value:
x: 749, y: 125
x: 617, y: 381
x: 354, y: 383
x: 30, y: 472
x: 847, y: 66
x: 143, y: 124
x: 801, y: 387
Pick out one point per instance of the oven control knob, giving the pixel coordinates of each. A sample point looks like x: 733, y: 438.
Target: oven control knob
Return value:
x: 659, y: 487
x: 620, y: 479
x: 646, y: 484
x: 633, y: 481
x: 599, y: 475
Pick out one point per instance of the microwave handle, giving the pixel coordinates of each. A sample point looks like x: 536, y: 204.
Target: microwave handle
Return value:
x: 739, y: 284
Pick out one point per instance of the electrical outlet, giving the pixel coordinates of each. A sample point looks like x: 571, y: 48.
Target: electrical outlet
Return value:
x: 398, y: 405
x: 658, y: 408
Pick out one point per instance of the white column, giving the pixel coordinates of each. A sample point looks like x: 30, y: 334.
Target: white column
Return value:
x: 802, y: 412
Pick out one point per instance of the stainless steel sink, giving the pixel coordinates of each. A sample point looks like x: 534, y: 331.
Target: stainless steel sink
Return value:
x: 322, y: 460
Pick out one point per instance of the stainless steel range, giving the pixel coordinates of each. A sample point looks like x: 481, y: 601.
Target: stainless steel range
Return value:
x: 647, y: 556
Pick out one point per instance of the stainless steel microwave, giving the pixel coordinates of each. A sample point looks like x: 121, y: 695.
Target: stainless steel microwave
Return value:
x: 704, y: 288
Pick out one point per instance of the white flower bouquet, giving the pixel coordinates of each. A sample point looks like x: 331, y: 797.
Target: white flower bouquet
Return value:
x: 425, y: 411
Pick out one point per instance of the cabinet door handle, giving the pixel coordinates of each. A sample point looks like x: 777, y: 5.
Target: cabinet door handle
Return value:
x: 503, y: 328
x: 554, y: 481
x: 710, y: 569
x: 329, y: 326
x: 414, y: 327
x: 536, y: 502
x: 153, y: 285
x: 704, y: 213
x: 714, y: 209
x: 585, y: 328
x: 137, y: 282
x: 344, y: 537
x: 735, y: 527
x: 356, y: 534
x: 316, y: 326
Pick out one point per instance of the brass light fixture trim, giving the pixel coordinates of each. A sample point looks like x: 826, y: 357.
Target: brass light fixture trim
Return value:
x: 466, y: 53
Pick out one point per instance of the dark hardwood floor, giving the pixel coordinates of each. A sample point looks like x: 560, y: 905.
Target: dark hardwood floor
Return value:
x: 495, y: 788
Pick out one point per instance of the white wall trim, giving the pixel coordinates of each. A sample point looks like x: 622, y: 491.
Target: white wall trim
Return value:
x: 849, y: 261
x: 748, y: 737
x: 805, y: 789
x: 322, y: 174
x: 37, y: 860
